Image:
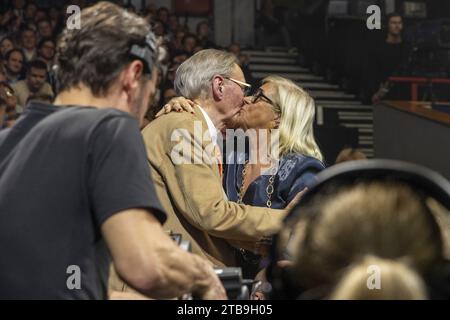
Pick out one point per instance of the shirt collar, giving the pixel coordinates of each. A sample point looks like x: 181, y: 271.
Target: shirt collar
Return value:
x: 211, y: 128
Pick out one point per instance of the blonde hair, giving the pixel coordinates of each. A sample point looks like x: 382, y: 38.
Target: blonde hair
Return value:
x: 383, y: 224
x: 297, y: 109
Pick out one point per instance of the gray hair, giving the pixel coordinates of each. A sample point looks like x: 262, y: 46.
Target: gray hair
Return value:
x: 193, y: 77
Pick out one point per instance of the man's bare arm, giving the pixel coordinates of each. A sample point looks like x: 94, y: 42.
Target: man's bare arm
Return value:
x: 150, y: 262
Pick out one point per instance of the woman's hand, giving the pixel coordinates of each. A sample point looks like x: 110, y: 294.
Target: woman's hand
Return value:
x: 178, y: 104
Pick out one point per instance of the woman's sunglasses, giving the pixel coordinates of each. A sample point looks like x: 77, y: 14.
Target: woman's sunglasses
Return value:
x: 260, y: 94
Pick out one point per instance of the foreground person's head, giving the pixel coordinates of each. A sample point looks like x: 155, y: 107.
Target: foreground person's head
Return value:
x: 107, y: 57
x: 380, y: 225
x: 371, y: 229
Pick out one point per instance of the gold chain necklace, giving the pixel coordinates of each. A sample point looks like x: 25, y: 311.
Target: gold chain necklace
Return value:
x: 269, y: 188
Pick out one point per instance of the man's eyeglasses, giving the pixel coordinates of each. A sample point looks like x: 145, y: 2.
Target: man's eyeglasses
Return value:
x: 260, y: 94
x: 245, y: 87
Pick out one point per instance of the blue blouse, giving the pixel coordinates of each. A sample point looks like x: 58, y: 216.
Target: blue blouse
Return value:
x: 295, y: 172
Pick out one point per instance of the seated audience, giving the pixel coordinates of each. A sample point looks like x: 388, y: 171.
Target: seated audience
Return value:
x: 6, y: 44
x: 3, y: 117
x: 14, y: 62
x: 44, y: 28
x: 173, y: 25
x: 204, y: 36
x: 46, y: 52
x: 34, y: 83
x: 7, y: 95
x: 28, y: 43
x: 163, y: 15
x: 29, y: 11
x: 189, y: 43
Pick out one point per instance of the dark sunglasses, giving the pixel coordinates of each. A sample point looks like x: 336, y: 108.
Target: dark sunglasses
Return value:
x: 260, y: 94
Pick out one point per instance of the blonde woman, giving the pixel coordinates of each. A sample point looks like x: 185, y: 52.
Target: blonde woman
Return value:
x: 281, y: 105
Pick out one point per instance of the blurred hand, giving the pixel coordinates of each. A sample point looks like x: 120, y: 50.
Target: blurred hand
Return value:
x: 214, y: 288
x: 375, y: 99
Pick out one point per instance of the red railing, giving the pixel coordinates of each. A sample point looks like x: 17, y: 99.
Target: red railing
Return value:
x: 418, y: 81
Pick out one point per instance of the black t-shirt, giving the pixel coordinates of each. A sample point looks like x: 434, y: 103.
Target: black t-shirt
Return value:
x: 389, y: 58
x: 385, y: 60
x: 62, y: 177
x: 30, y: 117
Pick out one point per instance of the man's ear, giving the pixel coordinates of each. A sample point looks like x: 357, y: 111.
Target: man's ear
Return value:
x: 132, y: 77
x: 217, y: 87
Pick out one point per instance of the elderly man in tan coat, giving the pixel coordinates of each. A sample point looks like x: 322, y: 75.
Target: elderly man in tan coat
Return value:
x: 182, y: 153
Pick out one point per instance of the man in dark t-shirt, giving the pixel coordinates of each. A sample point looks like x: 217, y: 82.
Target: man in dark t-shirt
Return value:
x: 62, y: 180
x: 387, y: 58
x: 75, y: 188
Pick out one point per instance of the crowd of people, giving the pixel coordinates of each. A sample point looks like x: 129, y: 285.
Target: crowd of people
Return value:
x: 89, y: 179
x: 28, y: 36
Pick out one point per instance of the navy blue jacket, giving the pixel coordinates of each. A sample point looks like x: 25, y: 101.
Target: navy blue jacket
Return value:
x: 295, y: 172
